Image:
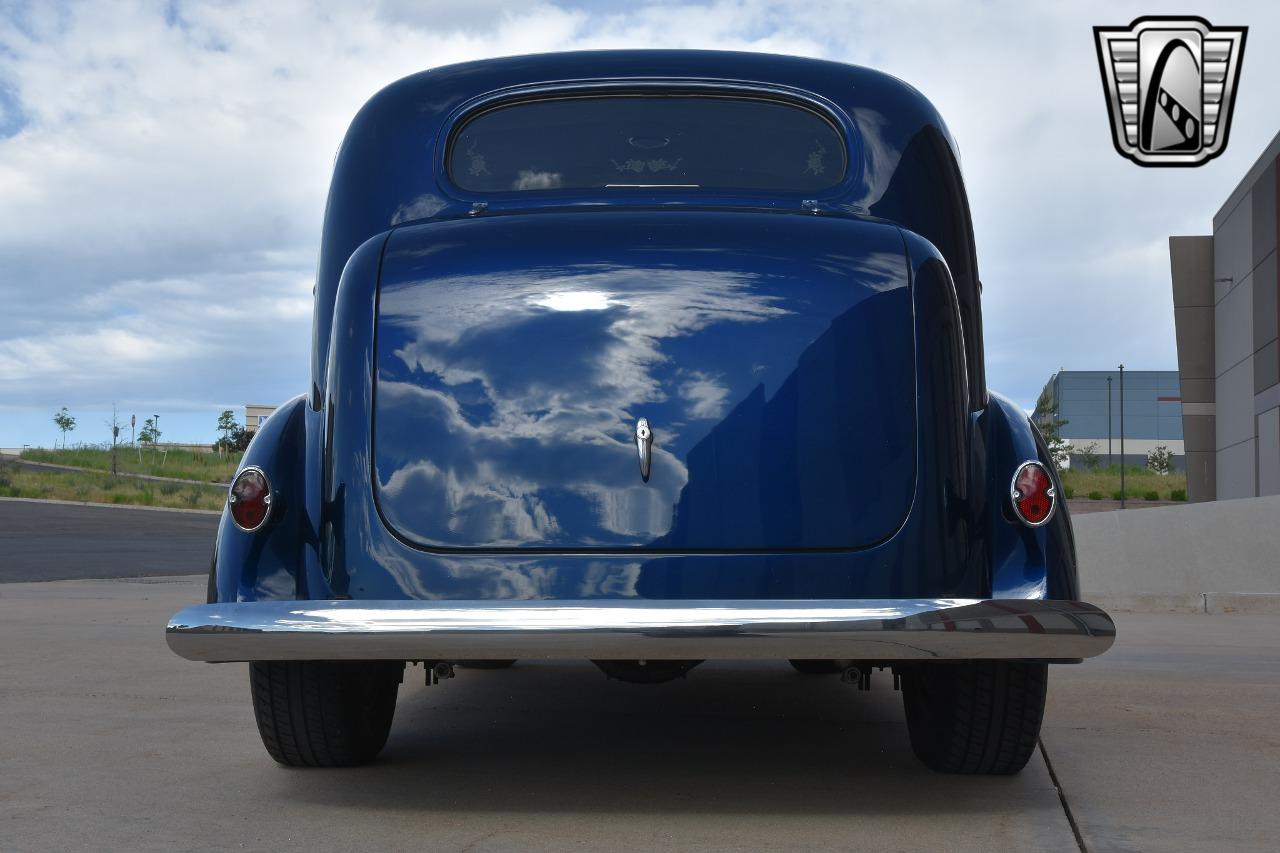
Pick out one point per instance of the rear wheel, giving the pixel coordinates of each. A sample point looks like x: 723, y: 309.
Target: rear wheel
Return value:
x: 324, y: 713
x: 975, y: 717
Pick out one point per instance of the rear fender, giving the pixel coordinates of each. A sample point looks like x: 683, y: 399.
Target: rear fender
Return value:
x: 279, y: 561
x: 1026, y: 562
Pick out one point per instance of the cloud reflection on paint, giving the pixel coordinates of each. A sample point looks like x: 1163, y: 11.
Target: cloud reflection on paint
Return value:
x: 507, y: 398
x: 574, y: 300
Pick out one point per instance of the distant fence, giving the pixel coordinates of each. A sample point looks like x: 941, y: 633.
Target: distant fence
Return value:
x: 106, y: 445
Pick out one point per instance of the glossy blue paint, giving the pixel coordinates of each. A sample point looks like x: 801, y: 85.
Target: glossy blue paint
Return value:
x: 881, y: 330
x: 771, y: 355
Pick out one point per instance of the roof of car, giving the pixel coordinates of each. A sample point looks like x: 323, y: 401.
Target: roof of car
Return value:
x: 439, y: 91
x: 388, y: 170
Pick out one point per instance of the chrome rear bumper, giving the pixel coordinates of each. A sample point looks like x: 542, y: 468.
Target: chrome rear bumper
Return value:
x: 897, y: 629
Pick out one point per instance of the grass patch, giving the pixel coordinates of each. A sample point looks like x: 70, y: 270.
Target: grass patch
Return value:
x: 103, y: 488
x: 182, y: 464
x: 1138, y: 483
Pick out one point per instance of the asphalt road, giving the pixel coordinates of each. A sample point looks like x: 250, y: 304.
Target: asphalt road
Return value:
x: 1168, y: 742
x: 41, y: 540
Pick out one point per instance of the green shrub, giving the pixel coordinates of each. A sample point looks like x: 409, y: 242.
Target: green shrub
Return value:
x: 1151, y: 496
x: 1117, y: 495
x: 1095, y: 495
x: 4, y: 480
x: 1178, y: 495
x: 170, y: 488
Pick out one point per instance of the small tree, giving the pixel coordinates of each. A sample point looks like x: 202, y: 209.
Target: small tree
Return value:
x: 227, y: 423
x: 1088, y: 454
x: 234, y: 437
x: 227, y: 426
x: 1046, y: 418
x: 65, y: 422
x: 150, y: 433
x: 1059, y: 452
x: 1160, y: 460
x: 114, y: 426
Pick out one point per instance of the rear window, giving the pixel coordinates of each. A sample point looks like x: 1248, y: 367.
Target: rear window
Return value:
x: 638, y: 141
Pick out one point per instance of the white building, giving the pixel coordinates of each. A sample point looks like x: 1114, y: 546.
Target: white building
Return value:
x: 256, y: 415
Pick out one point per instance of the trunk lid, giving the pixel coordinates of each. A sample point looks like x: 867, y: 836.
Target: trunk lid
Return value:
x: 771, y: 355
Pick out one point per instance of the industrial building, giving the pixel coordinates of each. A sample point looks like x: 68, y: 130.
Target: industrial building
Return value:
x: 1089, y: 402
x: 1225, y: 290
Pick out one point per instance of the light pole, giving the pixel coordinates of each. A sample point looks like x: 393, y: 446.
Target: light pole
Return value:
x: 1110, y: 460
x: 1122, y: 436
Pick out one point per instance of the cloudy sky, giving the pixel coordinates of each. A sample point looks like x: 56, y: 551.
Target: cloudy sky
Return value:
x: 163, y: 169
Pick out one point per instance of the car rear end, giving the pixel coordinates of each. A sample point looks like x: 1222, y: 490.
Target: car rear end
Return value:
x: 657, y: 397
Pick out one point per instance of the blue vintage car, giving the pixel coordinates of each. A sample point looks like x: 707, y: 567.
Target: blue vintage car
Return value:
x: 647, y: 358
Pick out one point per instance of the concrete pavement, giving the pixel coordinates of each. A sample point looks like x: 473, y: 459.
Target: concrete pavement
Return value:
x: 111, y: 742
x: 1169, y: 741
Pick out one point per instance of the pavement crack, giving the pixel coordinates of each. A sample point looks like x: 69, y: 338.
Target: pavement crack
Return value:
x: 1062, y: 798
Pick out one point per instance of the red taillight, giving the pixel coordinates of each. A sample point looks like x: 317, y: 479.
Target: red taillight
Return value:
x: 250, y: 499
x: 1032, y: 493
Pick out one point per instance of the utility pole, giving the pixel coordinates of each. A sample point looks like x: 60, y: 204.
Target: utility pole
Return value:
x: 1122, y: 495
x: 1110, y: 461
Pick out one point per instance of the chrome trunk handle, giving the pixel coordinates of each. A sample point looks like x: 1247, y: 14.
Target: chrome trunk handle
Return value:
x: 644, y: 447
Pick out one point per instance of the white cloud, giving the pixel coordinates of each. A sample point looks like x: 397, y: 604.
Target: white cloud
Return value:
x: 708, y: 398
x: 163, y: 170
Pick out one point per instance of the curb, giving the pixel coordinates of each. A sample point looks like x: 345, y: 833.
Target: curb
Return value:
x: 112, y: 506
x: 1214, y: 603
x: 1084, y: 506
x: 1242, y: 602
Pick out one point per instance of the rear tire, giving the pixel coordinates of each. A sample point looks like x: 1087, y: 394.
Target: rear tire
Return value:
x: 975, y: 717
x: 324, y: 713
